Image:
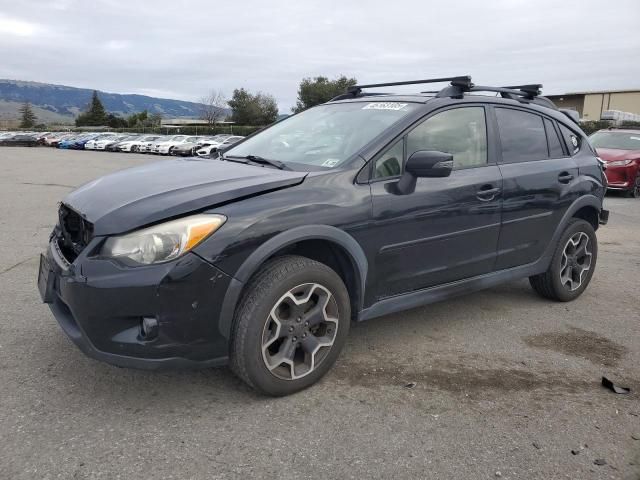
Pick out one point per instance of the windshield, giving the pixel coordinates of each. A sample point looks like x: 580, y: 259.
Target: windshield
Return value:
x: 323, y: 136
x: 616, y: 140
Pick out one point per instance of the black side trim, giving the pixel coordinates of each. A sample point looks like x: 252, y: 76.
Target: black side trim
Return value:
x: 528, y: 217
x: 448, y: 290
x: 410, y: 243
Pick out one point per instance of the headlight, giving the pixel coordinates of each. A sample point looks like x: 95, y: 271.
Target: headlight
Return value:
x: 620, y: 163
x: 165, y: 241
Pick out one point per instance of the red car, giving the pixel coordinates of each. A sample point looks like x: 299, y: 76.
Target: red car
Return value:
x: 620, y: 149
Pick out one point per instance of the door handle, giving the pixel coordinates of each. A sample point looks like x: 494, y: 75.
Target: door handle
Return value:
x: 565, y: 177
x: 487, y: 193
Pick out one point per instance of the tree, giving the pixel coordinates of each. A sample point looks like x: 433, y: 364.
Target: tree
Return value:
x: 95, y: 114
x: 253, y: 109
x: 319, y: 90
x: 116, y: 122
x: 213, y: 106
x: 28, y: 117
x: 140, y: 119
x: 155, y: 120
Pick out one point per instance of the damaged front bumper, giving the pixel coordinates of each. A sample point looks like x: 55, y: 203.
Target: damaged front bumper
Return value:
x: 148, y: 317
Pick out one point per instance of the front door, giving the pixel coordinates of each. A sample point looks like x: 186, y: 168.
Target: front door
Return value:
x: 447, y: 229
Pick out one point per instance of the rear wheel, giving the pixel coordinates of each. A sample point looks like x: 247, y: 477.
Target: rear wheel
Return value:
x: 134, y: 148
x: 290, y: 325
x: 572, y: 265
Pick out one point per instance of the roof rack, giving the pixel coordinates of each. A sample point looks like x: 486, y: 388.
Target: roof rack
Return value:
x: 458, y: 87
x: 532, y: 89
x: 460, y: 84
x: 529, y: 93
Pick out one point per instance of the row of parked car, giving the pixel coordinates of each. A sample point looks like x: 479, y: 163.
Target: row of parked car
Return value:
x: 183, y: 145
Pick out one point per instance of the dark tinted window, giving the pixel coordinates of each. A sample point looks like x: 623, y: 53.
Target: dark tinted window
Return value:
x: 522, y: 136
x: 571, y: 139
x: 555, y: 148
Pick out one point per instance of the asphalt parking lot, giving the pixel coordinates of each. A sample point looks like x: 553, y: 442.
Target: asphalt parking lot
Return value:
x: 507, y: 384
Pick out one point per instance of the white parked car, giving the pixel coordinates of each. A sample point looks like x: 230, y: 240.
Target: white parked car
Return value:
x: 101, y: 139
x: 164, y: 147
x: 209, y: 149
x: 136, y: 144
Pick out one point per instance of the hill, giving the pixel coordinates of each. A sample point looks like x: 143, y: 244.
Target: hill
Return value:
x: 60, y: 102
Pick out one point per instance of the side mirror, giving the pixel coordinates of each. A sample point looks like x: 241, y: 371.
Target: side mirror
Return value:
x: 428, y: 163
x: 423, y: 163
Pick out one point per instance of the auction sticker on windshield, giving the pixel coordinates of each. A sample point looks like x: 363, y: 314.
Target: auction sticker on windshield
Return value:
x: 384, y: 106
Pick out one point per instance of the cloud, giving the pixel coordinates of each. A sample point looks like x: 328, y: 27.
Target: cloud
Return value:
x: 185, y: 50
x: 16, y: 27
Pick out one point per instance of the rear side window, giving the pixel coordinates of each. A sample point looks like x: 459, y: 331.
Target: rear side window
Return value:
x: 522, y: 136
x: 571, y: 139
x: 555, y: 147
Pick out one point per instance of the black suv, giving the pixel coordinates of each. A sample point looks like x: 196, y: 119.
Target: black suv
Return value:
x: 367, y: 205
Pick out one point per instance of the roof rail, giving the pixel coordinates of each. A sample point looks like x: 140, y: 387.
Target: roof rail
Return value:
x: 460, y: 82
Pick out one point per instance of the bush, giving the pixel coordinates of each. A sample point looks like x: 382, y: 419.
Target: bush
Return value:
x: 591, y: 126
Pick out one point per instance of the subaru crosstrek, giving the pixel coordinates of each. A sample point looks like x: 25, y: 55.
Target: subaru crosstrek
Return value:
x: 364, y: 206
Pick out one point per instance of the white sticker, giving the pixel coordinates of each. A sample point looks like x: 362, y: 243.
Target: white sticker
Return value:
x: 634, y: 138
x: 574, y: 140
x: 384, y: 106
x: 330, y: 162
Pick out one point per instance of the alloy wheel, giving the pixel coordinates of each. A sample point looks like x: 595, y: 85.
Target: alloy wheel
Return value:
x: 576, y: 261
x: 300, y: 331
x: 635, y: 193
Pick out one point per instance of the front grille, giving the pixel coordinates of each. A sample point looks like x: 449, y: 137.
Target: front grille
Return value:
x: 75, y: 232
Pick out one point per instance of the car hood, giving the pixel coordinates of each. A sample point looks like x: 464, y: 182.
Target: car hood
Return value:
x: 140, y: 196
x: 613, y: 154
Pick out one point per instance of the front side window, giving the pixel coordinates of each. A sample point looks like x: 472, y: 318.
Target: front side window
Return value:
x: 522, y: 136
x: 462, y: 132
x: 324, y: 136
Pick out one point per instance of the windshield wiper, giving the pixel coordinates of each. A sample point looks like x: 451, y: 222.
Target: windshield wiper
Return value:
x: 259, y: 160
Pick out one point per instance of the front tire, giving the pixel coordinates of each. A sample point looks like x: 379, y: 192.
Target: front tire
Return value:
x: 290, y: 325
x: 572, y: 265
x: 634, y: 192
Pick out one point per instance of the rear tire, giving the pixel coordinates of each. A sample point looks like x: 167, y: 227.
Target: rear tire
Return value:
x: 290, y: 325
x: 572, y: 265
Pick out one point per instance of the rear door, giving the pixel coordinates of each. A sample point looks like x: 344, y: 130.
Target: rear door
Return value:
x: 538, y: 175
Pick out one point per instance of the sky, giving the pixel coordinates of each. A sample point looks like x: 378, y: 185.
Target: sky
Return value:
x: 185, y: 49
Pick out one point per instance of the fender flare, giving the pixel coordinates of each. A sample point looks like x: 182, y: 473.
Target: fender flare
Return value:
x: 278, y: 242
x: 584, y: 201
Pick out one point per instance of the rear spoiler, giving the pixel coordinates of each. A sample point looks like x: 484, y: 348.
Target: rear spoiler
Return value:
x: 572, y: 114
